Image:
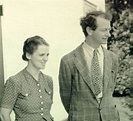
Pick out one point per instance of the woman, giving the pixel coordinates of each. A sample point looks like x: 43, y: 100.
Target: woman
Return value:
x: 29, y: 93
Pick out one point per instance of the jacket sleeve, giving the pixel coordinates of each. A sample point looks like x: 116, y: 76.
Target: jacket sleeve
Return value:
x: 11, y: 90
x: 115, y: 66
x: 65, y: 84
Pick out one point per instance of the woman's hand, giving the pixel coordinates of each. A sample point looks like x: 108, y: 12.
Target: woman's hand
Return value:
x: 5, y: 114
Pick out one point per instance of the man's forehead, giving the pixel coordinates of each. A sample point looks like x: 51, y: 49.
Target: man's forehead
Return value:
x: 101, y: 19
x: 103, y: 22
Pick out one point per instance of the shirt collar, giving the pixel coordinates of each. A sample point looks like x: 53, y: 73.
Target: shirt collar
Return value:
x: 91, y: 49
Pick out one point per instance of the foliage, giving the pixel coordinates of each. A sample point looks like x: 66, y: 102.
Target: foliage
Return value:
x: 123, y: 78
x: 119, y: 42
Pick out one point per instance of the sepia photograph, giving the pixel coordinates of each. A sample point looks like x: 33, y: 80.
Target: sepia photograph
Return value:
x: 66, y: 60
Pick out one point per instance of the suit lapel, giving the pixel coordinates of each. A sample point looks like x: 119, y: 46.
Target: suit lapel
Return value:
x: 82, y: 67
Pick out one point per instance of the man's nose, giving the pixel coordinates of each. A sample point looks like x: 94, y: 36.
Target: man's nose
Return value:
x: 108, y: 34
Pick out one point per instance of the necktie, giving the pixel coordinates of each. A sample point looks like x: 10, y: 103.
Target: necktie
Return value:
x: 96, y: 75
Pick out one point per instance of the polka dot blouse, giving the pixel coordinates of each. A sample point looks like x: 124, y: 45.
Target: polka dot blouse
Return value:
x: 30, y: 99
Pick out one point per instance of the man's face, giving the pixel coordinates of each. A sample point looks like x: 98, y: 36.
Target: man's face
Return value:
x: 101, y: 34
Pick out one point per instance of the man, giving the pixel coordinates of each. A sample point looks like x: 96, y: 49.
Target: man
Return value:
x: 87, y: 77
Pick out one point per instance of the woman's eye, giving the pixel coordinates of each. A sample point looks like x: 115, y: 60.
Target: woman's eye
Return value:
x: 41, y: 54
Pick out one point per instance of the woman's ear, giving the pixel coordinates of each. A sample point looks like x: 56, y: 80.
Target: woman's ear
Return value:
x: 89, y: 30
x: 28, y: 56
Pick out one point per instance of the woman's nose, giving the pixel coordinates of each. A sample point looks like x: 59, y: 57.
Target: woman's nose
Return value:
x: 45, y: 58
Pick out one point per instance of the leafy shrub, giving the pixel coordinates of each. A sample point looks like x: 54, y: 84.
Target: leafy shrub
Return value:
x: 119, y: 44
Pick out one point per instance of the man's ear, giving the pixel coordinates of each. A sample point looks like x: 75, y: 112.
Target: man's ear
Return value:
x: 89, y: 30
x: 28, y: 56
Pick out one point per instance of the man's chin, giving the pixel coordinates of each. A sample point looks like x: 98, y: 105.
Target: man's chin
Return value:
x: 104, y: 42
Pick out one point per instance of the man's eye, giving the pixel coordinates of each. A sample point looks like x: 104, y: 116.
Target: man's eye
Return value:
x: 105, y: 29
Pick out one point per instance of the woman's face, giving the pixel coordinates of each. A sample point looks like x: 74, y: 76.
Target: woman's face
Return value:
x: 39, y: 58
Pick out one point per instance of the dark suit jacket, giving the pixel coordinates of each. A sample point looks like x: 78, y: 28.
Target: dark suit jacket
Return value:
x: 76, y: 89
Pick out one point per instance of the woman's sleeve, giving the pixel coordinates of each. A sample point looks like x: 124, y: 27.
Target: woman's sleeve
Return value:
x: 51, y: 86
x: 10, y: 94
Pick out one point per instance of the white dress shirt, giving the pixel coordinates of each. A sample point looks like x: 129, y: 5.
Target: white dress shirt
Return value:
x: 88, y: 52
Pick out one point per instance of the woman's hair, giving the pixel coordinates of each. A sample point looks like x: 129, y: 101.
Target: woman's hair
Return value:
x: 90, y: 20
x: 31, y: 45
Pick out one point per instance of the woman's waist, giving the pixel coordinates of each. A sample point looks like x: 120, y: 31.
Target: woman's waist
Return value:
x: 32, y: 112
x: 36, y: 116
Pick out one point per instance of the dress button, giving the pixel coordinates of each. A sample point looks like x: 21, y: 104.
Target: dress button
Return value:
x: 41, y: 96
x: 41, y: 102
x: 41, y: 108
x: 49, y: 92
x: 39, y: 90
x: 41, y: 114
x: 26, y: 95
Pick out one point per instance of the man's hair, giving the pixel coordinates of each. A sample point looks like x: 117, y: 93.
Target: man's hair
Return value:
x: 90, y: 20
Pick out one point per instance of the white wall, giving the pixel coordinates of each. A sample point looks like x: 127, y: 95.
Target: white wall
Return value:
x: 100, y: 4
x: 57, y: 21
